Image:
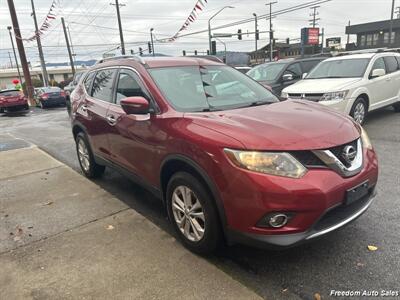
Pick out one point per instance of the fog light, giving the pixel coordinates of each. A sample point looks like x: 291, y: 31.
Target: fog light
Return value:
x: 278, y: 220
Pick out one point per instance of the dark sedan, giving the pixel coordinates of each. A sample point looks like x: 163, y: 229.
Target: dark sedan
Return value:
x: 51, y: 96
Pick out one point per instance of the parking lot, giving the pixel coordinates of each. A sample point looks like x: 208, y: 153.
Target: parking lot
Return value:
x: 340, y: 261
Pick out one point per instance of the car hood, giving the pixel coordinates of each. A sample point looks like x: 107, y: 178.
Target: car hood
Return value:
x: 321, y: 85
x: 288, y: 125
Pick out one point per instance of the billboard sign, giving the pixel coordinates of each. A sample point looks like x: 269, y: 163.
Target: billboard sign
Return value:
x: 310, y: 36
x: 334, y: 42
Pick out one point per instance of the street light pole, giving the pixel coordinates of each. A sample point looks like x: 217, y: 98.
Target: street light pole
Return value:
x: 224, y: 48
x: 152, y: 41
x: 271, y: 47
x: 209, y: 25
x: 391, y: 24
x: 15, y: 54
x: 256, y: 28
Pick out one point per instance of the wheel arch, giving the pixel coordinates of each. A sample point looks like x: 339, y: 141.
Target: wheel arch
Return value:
x: 176, y: 163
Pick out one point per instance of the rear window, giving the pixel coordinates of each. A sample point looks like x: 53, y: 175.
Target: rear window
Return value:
x: 51, y: 90
x: 10, y: 93
x: 391, y: 64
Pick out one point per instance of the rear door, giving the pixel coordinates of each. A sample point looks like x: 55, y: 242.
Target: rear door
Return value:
x: 93, y: 110
x: 393, y: 79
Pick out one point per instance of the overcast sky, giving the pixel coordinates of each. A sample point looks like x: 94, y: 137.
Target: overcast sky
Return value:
x: 86, y: 17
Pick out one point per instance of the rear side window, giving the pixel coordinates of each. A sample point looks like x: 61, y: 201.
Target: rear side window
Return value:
x: 391, y: 64
x: 398, y: 60
x: 102, y: 88
x: 309, y: 65
x: 88, y: 82
x: 10, y: 93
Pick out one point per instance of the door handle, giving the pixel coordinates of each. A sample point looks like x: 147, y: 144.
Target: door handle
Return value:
x: 84, y: 108
x: 111, y: 120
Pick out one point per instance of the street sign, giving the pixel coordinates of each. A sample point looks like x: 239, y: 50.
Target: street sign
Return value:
x: 334, y: 42
x: 222, y: 35
x: 310, y: 36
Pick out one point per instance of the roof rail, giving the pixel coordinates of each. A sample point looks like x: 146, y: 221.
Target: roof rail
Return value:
x: 365, y: 51
x: 134, y: 57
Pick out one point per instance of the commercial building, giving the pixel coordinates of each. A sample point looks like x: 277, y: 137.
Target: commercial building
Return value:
x: 375, y: 35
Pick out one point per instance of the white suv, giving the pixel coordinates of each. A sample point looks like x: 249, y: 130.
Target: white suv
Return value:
x: 353, y: 84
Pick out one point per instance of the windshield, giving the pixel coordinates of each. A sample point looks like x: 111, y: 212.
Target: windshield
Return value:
x: 10, y: 93
x: 267, y: 72
x: 343, y: 68
x: 203, y: 88
x: 51, y: 89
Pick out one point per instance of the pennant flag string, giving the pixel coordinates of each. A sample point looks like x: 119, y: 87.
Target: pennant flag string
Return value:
x: 51, y: 15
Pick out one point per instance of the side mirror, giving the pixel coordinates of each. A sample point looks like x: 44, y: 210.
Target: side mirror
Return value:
x: 287, y: 77
x: 377, y: 73
x: 135, y: 105
x: 304, y: 75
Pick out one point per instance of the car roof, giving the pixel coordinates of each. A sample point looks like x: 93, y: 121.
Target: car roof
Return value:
x: 10, y: 90
x: 291, y: 60
x: 157, y: 62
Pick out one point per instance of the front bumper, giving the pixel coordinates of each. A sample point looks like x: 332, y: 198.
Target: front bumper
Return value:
x: 333, y: 219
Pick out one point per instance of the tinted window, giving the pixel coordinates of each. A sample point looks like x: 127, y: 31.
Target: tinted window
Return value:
x: 391, y: 64
x: 88, y: 82
x: 128, y: 86
x: 202, y: 88
x: 266, y: 72
x: 398, y: 60
x: 309, y: 65
x: 103, y: 85
x: 295, y: 70
x: 10, y: 93
x: 339, y: 68
x: 379, y: 64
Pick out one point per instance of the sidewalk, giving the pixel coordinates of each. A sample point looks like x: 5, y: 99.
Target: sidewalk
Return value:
x: 63, y: 237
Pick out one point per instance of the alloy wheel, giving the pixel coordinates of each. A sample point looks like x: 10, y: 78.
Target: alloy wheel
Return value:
x: 359, y: 113
x: 188, y: 213
x: 83, y: 155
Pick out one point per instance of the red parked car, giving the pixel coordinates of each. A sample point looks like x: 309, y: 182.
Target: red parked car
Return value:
x: 13, y: 100
x: 228, y: 159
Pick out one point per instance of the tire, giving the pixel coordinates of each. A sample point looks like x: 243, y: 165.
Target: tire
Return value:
x: 396, y: 107
x: 359, y: 110
x: 211, y: 237
x: 86, y: 159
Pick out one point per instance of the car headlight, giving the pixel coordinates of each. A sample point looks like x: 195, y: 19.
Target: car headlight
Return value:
x: 334, y: 96
x: 274, y: 163
x: 365, y: 139
x: 285, y: 95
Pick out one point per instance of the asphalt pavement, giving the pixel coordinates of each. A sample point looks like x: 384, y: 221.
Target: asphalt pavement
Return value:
x: 340, y: 261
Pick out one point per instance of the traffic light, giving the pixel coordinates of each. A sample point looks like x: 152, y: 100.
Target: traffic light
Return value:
x: 140, y: 51
x: 132, y: 52
x: 213, y: 47
x: 184, y: 52
x: 195, y: 52
x: 257, y: 34
x: 239, y: 34
x: 149, y: 46
x: 288, y: 41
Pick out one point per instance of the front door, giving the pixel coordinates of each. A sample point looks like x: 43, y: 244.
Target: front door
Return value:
x: 379, y: 86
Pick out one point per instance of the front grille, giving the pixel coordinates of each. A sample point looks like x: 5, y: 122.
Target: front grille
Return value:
x: 341, y: 213
x: 308, y: 159
x: 307, y: 96
x: 337, y: 151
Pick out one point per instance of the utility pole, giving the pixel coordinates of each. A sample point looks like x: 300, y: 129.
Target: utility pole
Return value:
x: 398, y: 12
x: 21, y: 50
x: 39, y: 44
x: 314, y: 15
x: 70, y: 41
x: 152, y: 41
x: 256, y: 28
x: 121, y: 36
x: 391, y: 23
x: 15, y: 54
x: 271, y: 33
x: 9, y: 56
x: 348, y: 35
x: 322, y: 43
x: 71, y: 61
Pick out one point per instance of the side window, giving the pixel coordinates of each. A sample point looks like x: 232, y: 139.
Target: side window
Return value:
x: 88, y: 81
x: 295, y: 70
x: 379, y: 64
x: 391, y: 64
x: 398, y: 61
x: 128, y: 86
x: 103, y: 85
x: 309, y: 65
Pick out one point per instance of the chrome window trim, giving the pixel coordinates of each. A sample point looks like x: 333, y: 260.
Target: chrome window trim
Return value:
x: 335, y: 164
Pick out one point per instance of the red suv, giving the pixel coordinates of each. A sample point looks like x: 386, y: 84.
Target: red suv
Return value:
x: 13, y: 100
x: 228, y: 159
